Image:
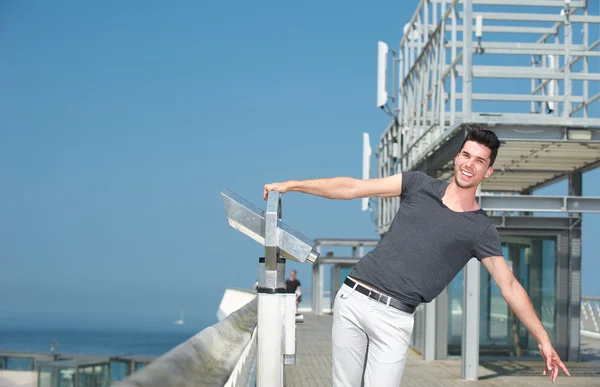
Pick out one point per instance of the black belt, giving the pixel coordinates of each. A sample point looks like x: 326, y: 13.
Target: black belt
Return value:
x: 380, y: 297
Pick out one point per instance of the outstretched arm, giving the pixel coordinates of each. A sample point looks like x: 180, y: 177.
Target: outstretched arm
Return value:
x: 345, y: 188
x: 519, y: 301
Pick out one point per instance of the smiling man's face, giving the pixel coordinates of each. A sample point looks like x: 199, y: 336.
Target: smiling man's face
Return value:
x: 471, y: 165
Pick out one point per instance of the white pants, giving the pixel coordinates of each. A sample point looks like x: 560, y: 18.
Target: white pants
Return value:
x: 370, y: 341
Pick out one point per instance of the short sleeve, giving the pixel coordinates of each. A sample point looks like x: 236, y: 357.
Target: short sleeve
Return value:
x: 488, y: 244
x: 411, y: 181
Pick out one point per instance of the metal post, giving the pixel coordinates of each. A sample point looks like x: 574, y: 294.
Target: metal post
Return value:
x: 276, y: 319
x: 568, y: 38
x: 399, y: 91
x: 441, y: 333
x: 586, y: 43
x: 426, y: 69
x: 321, y: 289
x: 452, y: 72
x: 467, y: 59
x: 533, y: 82
x: 441, y: 68
x: 405, y: 67
x: 561, y: 327
x: 534, y: 256
x: 271, y: 290
x: 470, y: 339
x: 430, y: 331
x: 556, y: 67
x: 317, y: 292
x: 315, y: 283
x: 575, y: 189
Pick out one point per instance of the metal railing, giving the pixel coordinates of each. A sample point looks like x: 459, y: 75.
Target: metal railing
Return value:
x: 590, y: 317
x: 432, y: 58
x: 244, y: 373
x: 209, y: 358
x: 226, y: 354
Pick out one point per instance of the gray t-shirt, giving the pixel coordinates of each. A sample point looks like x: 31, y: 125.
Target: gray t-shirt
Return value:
x: 427, y: 243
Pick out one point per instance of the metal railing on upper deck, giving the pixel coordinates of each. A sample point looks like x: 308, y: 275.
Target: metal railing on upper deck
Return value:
x: 590, y: 317
x: 485, y: 60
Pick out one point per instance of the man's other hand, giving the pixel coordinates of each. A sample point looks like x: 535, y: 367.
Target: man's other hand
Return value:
x: 553, y: 362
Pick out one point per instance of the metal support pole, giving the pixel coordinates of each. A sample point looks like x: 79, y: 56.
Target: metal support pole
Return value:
x: 470, y: 339
x: 430, y: 331
x: 556, y: 67
x: 321, y: 289
x: 575, y: 254
x: 317, y: 292
x: 568, y: 39
x: 534, y: 258
x: 277, y: 318
x: 441, y: 333
x: 586, y: 43
x: 271, y: 302
x: 315, y: 303
x: 453, y: 15
x: 467, y: 108
x: 563, y: 289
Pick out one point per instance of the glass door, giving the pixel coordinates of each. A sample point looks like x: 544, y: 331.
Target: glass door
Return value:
x: 533, y: 262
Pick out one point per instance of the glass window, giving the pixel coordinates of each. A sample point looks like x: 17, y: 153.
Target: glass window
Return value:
x: 86, y: 377
x: 102, y: 375
x: 533, y: 262
x: 119, y: 370
x: 66, y: 377
x: 19, y: 363
x: 496, y: 312
x: 45, y: 376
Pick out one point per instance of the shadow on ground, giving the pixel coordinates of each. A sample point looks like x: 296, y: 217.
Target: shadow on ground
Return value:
x: 501, y: 368
x: 590, y: 351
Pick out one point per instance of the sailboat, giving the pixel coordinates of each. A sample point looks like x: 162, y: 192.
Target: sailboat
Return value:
x: 181, y: 321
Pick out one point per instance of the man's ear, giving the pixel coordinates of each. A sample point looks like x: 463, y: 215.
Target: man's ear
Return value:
x: 489, y: 172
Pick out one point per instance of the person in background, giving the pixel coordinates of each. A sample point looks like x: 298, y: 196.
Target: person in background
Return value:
x: 292, y: 285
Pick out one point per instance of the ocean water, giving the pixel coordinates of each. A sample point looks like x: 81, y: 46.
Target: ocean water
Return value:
x: 126, y: 342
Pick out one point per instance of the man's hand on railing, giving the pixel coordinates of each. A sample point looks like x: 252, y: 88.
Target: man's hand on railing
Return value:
x: 553, y: 362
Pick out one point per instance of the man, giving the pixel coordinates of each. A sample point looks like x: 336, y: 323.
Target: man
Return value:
x: 439, y: 227
x: 292, y: 285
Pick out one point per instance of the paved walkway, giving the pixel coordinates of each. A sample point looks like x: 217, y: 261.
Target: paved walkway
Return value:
x: 313, y: 366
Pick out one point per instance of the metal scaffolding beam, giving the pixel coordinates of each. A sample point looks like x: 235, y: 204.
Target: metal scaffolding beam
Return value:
x: 528, y: 203
x: 529, y: 3
x: 346, y: 242
x: 521, y: 222
x: 436, y: 55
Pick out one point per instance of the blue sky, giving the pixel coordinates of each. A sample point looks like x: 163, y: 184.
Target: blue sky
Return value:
x: 122, y: 123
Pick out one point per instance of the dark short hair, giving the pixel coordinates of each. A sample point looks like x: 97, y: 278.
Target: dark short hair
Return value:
x: 486, y: 138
